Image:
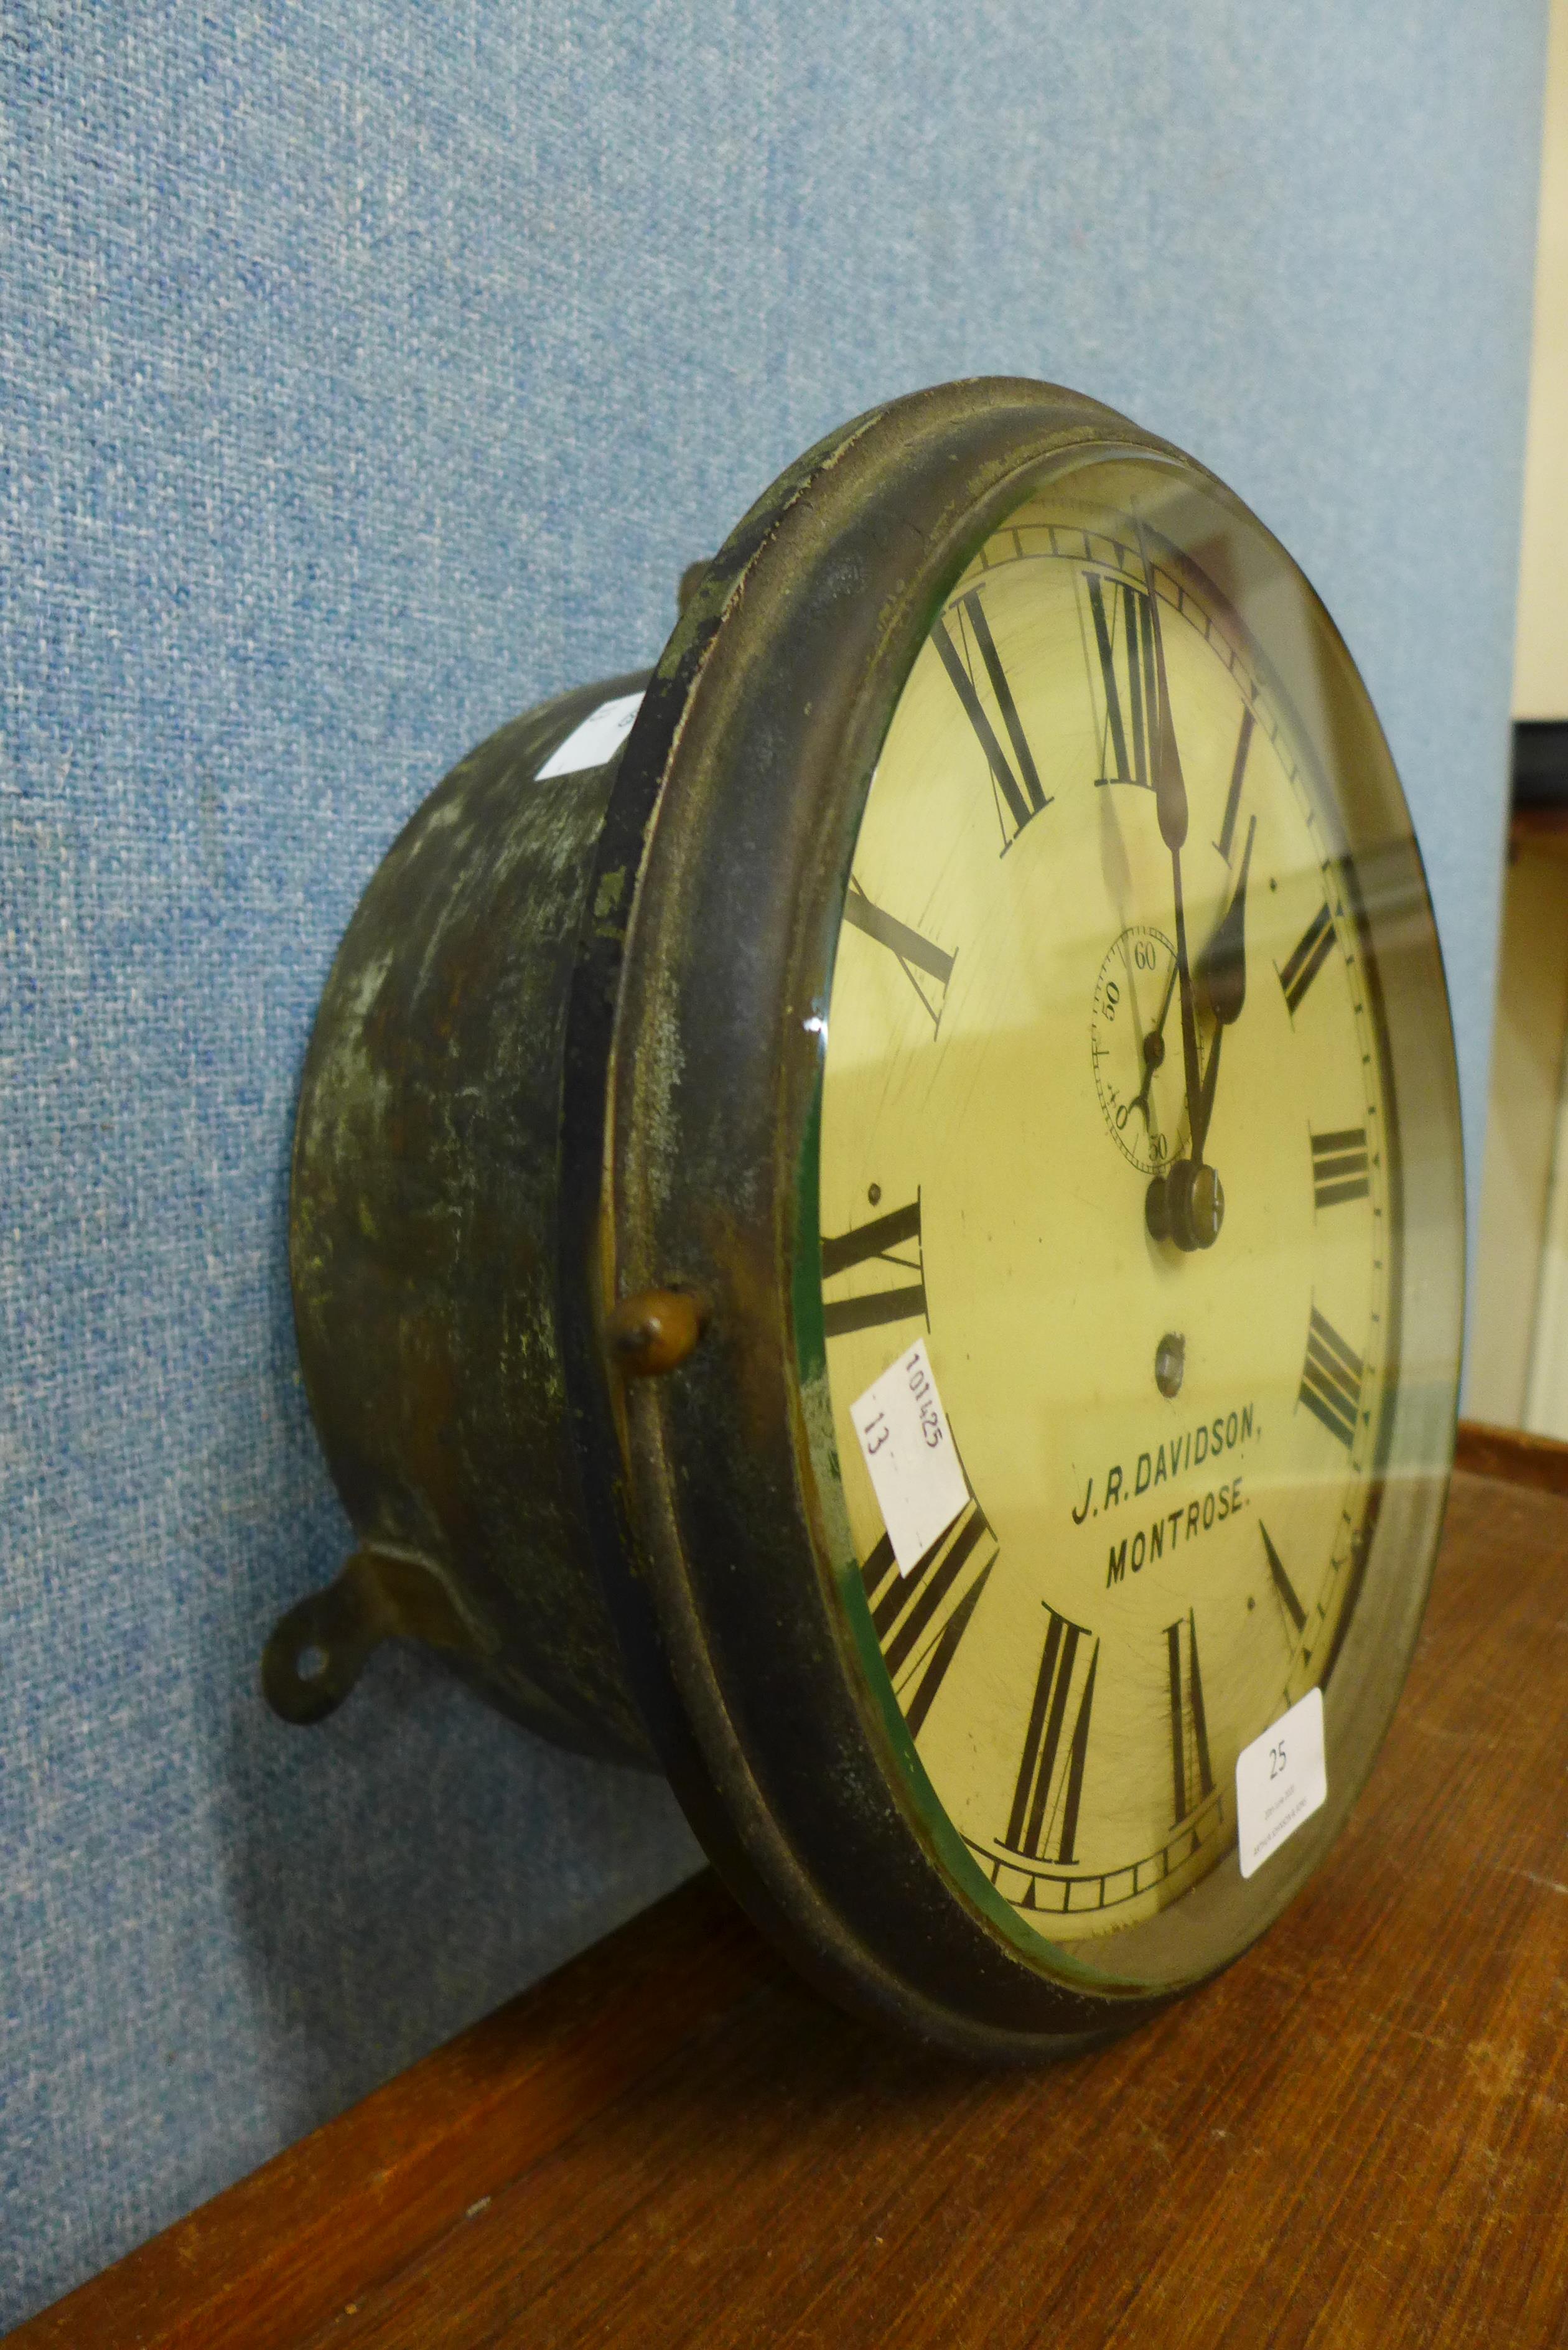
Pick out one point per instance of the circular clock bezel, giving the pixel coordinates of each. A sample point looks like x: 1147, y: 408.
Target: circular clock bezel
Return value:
x: 695, y: 1055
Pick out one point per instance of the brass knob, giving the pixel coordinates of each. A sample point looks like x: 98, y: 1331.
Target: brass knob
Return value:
x: 1186, y: 1205
x: 654, y: 1330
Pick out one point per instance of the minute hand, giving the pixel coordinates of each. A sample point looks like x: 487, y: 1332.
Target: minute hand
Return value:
x: 1222, y: 977
x: 1170, y: 799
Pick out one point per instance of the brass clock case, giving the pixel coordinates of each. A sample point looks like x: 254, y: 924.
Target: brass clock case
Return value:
x: 556, y: 1247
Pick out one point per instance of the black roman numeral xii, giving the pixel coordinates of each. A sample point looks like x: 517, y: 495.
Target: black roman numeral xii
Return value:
x: 1123, y: 640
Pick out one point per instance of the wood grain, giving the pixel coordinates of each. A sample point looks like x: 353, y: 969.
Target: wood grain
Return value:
x: 1508, y: 1452
x: 1542, y: 829
x: 276, y: 2253
x: 1359, y: 2135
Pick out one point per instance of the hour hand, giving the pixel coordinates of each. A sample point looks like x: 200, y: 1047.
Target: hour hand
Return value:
x: 1170, y: 800
x: 1221, y: 979
x: 1222, y: 971
x: 1169, y: 784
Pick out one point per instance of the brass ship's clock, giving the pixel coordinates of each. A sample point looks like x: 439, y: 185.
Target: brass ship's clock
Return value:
x: 878, y: 1221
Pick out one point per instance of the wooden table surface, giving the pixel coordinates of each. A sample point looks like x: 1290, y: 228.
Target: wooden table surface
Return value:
x: 1358, y: 2135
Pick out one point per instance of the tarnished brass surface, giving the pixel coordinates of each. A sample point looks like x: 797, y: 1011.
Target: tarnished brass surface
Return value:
x: 654, y: 1330
x: 318, y: 1650
x: 425, y: 1229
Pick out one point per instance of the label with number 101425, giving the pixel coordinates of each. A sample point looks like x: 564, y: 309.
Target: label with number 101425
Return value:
x: 916, y: 1473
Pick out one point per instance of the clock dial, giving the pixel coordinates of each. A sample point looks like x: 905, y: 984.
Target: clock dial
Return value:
x: 1105, y: 1122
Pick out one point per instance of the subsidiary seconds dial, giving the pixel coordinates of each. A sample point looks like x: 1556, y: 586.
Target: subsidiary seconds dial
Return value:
x: 1140, y: 1087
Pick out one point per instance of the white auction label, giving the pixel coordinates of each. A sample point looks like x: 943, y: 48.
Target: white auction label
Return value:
x: 598, y: 739
x: 1282, y: 1780
x: 910, y: 1450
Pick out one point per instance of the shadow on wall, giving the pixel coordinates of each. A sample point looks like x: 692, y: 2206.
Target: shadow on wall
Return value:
x: 416, y: 1837
x: 378, y: 1852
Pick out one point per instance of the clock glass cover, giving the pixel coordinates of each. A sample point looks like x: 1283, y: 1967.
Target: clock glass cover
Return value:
x: 1108, y: 1123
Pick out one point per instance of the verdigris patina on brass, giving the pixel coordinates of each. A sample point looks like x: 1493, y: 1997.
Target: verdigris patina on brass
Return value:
x: 425, y: 1201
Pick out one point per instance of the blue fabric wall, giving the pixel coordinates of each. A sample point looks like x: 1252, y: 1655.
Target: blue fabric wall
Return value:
x: 365, y: 373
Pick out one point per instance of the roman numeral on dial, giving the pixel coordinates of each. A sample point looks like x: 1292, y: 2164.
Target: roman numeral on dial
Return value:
x: 1339, y: 1167
x: 1227, y: 840
x: 1124, y: 639
x: 915, y: 955
x: 920, y: 1617
x: 1016, y: 782
x: 1284, y: 1589
x: 891, y: 1244
x: 1331, y: 1379
x: 1307, y: 958
x: 1044, y: 1822
x: 1192, y: 1779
